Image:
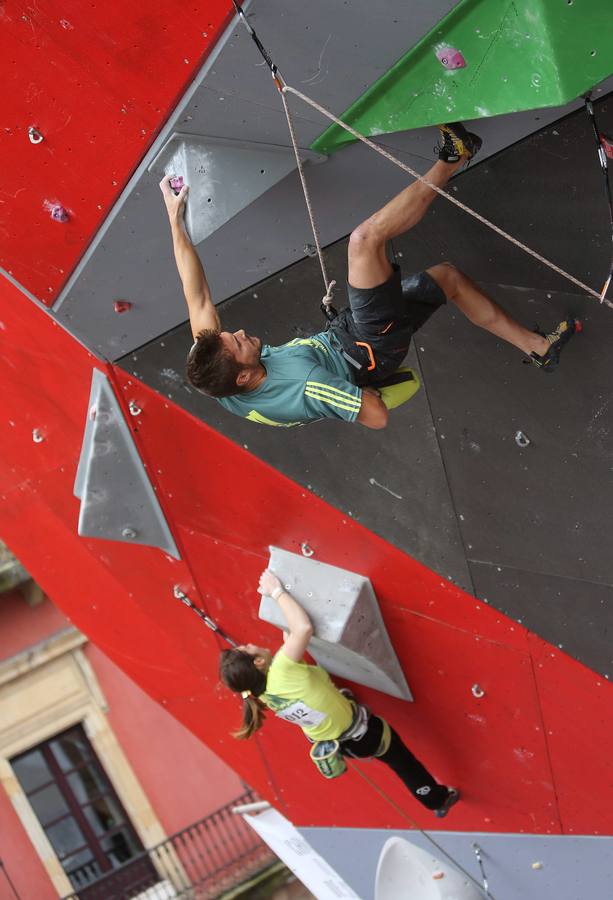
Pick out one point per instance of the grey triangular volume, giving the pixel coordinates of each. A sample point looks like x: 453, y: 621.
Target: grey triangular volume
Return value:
x: 350, y: 638
x: 118, y: 502
x: 224, y: 175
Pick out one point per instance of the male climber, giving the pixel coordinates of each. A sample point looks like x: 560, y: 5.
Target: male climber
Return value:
x: 342, y: 372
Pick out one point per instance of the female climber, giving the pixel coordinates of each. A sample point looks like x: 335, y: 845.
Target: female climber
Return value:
x: 335, y: 723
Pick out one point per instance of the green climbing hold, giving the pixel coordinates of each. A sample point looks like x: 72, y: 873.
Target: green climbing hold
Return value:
x: 485, y: 58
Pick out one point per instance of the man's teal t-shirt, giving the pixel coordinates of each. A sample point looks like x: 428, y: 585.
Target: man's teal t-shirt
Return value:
x: 306, y: 379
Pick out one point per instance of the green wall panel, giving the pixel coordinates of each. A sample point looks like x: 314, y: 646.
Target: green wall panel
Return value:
x: 524, y: 54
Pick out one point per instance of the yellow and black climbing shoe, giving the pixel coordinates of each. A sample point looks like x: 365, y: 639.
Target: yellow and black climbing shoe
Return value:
x: 457, y: 143
x: 557, y: 341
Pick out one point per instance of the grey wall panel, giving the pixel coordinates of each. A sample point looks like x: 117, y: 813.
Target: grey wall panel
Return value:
x: 332, y: 52
x: 575, y: 615
x: 396, y: 485
x: 571, y: 868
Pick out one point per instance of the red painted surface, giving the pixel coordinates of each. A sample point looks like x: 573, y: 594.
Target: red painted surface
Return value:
x: 22, y: 625
x: 225, y: 507
x: 97, y: 80
x: 20, y: 862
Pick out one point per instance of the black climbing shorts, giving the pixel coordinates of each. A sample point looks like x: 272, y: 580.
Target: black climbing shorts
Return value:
x: 376, y: 328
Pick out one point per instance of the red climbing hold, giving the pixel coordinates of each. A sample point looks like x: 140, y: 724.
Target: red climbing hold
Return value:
x: 122, y: 306
x: 607, y: 145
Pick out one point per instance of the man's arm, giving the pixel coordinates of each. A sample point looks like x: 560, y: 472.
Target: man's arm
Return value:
x: 202, y: 312
x: 373, y: 411
x: 299, y: 625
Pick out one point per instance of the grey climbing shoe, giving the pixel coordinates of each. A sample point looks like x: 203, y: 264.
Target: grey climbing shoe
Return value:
x: 457, y: 143
x: 558, y: 338
x: 452, y: 798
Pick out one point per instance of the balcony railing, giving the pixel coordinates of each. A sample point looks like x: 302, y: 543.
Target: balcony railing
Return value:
x: 200, y: 862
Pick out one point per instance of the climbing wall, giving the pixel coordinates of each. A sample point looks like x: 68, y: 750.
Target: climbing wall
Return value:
x: 92, y: 104
x: 484, y: 556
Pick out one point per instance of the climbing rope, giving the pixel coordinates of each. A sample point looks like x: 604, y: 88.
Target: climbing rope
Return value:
x: 180, y: 595
x: 467, y: 209
x: 284, y: 88
x: 326, y: 303
x: 440, y: 849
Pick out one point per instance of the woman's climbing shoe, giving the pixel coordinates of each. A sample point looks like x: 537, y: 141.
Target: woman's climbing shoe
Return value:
x: 452, y: 798
x: 456, y: 143
x: 557, y: 341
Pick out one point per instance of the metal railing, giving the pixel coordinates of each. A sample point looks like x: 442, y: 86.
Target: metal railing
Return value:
x: 200, y: 862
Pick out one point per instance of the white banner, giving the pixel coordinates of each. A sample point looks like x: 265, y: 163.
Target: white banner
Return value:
x: 298, y: 855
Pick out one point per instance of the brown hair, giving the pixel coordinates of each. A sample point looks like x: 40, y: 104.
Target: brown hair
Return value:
x: 239, y: 672
x: 211, y: 368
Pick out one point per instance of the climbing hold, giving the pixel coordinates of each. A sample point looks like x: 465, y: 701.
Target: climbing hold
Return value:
x: 607, y: 145
x: 176, y: 183
x: 118, y: 501
x: 134, y: 408
x: 521, y: 440
x: 450, y: 58
x: 350, y: 637
x: 477, y: 691
x: 537, y: 865
x: 57, y: 211
x: 37, y: 436
x: 122, y: 306
x: 34, y: 135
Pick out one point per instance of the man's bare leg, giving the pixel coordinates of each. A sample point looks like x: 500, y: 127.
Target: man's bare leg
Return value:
x: 481, y: 310
x: 368, y: 262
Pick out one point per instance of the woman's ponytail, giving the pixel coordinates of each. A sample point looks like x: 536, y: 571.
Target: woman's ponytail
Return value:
x: 239, y: 672
x: 253, y: 717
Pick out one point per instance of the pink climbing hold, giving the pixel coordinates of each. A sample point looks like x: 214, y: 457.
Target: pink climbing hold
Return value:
x: 450, y: 58
x: 176, y: 183
x: 122, y: 306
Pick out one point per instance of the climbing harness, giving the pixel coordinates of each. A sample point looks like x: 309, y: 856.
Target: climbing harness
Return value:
x: 602, y: 157
x: 284, y: 88
x: 180, y: 595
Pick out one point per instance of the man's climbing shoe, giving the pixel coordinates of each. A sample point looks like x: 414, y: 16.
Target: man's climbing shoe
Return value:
x: 452, y: 798
x: 557, y: 341
x: 457, y: 143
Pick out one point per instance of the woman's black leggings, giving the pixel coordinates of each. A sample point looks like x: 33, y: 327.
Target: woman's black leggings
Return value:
x: 400, y: 759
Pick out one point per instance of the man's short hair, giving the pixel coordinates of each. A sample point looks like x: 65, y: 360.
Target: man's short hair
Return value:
x: 211, y: 368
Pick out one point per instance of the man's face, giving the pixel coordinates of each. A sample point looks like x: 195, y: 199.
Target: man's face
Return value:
x: 245, y: 349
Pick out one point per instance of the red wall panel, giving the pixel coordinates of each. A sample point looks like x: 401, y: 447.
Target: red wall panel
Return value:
x: 87, y: 75
x: 225, y: 507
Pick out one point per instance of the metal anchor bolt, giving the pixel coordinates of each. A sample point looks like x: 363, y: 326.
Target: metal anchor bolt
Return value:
x: 477, y: 691
x: 128, y: 533
x: 134, y: 408
x: 521, y: 440
x: 35, y: 135
x: 37, y: 436
x: 306, y: 550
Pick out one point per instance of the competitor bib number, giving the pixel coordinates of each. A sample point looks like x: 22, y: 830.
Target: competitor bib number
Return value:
x: 300, y: 714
